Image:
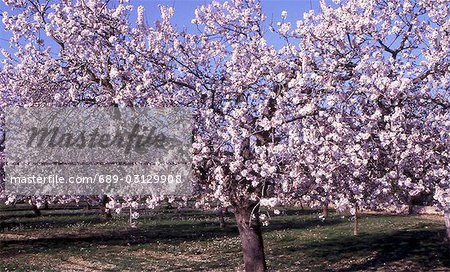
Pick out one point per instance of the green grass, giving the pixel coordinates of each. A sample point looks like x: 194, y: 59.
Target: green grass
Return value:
x: 73, y: 239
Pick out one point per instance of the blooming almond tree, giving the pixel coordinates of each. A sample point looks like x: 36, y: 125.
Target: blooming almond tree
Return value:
x: 238, y: 87
x: 93, y: 59
x: 385, y: 66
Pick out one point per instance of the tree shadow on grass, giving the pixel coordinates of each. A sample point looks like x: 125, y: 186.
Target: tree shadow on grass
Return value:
x: 415, y: 246
x: 174, y: 232
x: 46, y: 214
x: 45, y: 222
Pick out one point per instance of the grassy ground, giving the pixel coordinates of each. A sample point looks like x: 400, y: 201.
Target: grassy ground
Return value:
x: 78, y: 240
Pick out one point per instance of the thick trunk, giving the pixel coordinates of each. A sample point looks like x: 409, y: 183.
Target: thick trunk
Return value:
x: 221, y: 217
x: 447, y: 223
x: 355, y: 224
x: 251, y: 239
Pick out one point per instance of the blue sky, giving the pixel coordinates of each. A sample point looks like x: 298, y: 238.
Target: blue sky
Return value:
x: 184, y: 12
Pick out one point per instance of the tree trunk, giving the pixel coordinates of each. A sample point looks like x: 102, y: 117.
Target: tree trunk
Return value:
x: 410, y: 206
x: 131, y: 217
x: 221, y: 217
x: 325, y: 210
x: 447, y: 223
x: 251, y: 239
x: 36, y: 211
x: 88, y: 206
x: 106, y: 213
x: 355, y: 223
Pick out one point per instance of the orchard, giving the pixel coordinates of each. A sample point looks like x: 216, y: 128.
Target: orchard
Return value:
x: 347, y: 107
